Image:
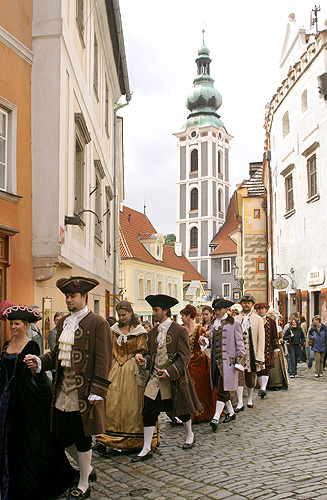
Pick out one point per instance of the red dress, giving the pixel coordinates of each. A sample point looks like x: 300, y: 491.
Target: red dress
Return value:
x: 199, y: 369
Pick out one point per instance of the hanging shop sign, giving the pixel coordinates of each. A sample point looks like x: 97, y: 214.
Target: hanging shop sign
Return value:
x: 280, y: 283
x: 316, y: 276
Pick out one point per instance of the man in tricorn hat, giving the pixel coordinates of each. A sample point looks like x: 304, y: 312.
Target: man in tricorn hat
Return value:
x: 169, y: 387
x: 226, y: 359
x: 271, y: 346
x: 254, y: 342
x: 82, y: 359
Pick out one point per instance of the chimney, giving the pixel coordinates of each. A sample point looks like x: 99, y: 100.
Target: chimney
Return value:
x: 178, y: 248
x: 253, y: 167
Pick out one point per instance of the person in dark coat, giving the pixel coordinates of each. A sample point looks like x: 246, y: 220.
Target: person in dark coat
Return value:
x: 271, y: 346
x: 169, y: 387
x: 295, y: 339
x: 318, y: 337
x: 82, y: 359
x: 33, y: 465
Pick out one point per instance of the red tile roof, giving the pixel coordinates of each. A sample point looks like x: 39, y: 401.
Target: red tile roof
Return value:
x: 134, y: 224
x: 225, y: 245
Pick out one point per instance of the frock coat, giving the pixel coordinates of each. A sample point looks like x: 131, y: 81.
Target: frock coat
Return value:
x: 233, y: 352
x: 183, y: 394
x: 92, y: 357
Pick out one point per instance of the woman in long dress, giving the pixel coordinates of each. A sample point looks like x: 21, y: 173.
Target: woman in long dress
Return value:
x: 124, y: 423
x: 278, y: 374
x: 199, y: 367
x: 32, y: 464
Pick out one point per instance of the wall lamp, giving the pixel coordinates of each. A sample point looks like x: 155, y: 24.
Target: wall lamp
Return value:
x: 77, y: 221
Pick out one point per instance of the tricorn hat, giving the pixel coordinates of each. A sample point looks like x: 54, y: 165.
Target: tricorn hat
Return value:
x: 247, y: 297
x: 261, y: 305
x: 218, y: 303
x: 161, y: 300
x: 76, y: 284
x: 22, y: 312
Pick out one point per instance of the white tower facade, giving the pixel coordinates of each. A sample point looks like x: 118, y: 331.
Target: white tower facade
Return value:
x: 203, y: 158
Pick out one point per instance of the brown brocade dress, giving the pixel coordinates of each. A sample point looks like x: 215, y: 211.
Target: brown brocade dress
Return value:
x: 199, y: 369
x: 124, y: 424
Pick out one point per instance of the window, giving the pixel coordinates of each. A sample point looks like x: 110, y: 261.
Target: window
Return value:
x: 194, y: 160
x: 169, y: 289
x: 261, y: 265
x: 3, y: 149
x: 256, y: 213
x: 107, y: 220
x: 141, y: 289
x: 286, y: 125
x: 289, y: 196
x: 194, y: 238
x: 175, y: 291
x: 96, y: 67
x: 82, y: 138
x: 226, y: 266
x: 80, y: 16
x: 98, y: 211
x: 96, y: 306
x: 312, y: 176
x: 106, y: 109
x: 220, y: 164
x: 194, y: 199
x: 220, y: 201
x: 226, y: 290
x: 148, y: 287
x: 304, y: 101
x: 159, y: 286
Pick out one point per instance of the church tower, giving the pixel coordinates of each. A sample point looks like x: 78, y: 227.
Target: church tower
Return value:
x: 203, y: 157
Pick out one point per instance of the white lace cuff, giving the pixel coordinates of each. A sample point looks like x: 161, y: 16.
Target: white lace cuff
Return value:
x: 39, y: 365
x: 239, y: 367
x: 94, y: 397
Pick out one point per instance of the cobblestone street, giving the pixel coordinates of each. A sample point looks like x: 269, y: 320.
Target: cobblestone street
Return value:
x: 276, y: 450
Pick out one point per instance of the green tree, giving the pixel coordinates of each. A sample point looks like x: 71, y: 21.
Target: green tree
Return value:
x: 170, y: 239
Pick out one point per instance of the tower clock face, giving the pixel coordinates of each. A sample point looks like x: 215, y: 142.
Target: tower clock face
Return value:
x: 193, y: 134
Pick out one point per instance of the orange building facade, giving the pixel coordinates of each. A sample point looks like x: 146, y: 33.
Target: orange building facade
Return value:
x: 16, y: 265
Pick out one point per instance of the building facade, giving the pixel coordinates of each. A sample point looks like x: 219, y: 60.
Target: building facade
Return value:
x: 79, y: 74
x: 251, y: 263
x: 16, y: 264
x: 294, y: 172
x: 203, y: 159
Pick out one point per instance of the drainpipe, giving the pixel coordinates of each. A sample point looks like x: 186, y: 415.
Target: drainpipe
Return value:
x: 268, y: 158
x: 115, y: 199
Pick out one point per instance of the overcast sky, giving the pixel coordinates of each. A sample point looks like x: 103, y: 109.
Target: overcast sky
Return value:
x: 162, y: 38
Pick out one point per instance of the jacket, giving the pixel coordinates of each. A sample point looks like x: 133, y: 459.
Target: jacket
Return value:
x: 298, y: 339
x: 92, y: 357
x: 319, y: 338
x: 185, y: 399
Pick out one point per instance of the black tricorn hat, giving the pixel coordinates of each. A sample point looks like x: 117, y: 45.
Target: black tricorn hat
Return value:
x: 161, y: 300
x: 218, y: 303
x: 76, y: 284
x: 22, y: 312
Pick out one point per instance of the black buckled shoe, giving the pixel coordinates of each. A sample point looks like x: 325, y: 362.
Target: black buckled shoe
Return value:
x: 214, y: 424
x: 237, y: 410
x: 263, y: 394
x: 229, y: 418
x: 77, y: 494
x: 188, y: 446
x: 259, y: 392
x: 142, y: 458
x: 249, y: 405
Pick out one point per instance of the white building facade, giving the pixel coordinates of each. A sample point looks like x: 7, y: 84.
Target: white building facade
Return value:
x: 79, y: 73
x: 296, y: 124
x: 203, y: 179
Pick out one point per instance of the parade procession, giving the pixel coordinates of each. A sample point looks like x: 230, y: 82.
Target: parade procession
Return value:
x: 163, y: 291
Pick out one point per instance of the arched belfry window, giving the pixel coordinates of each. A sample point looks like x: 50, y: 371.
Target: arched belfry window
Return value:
x: 220, y: 163
x: 194, y: 199
x: 220, y: 201
x: 286, y: 124
x: 194, y: 238
x: 194, y: 160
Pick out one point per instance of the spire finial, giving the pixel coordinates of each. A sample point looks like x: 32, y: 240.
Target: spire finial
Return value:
x: 203, y: 31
